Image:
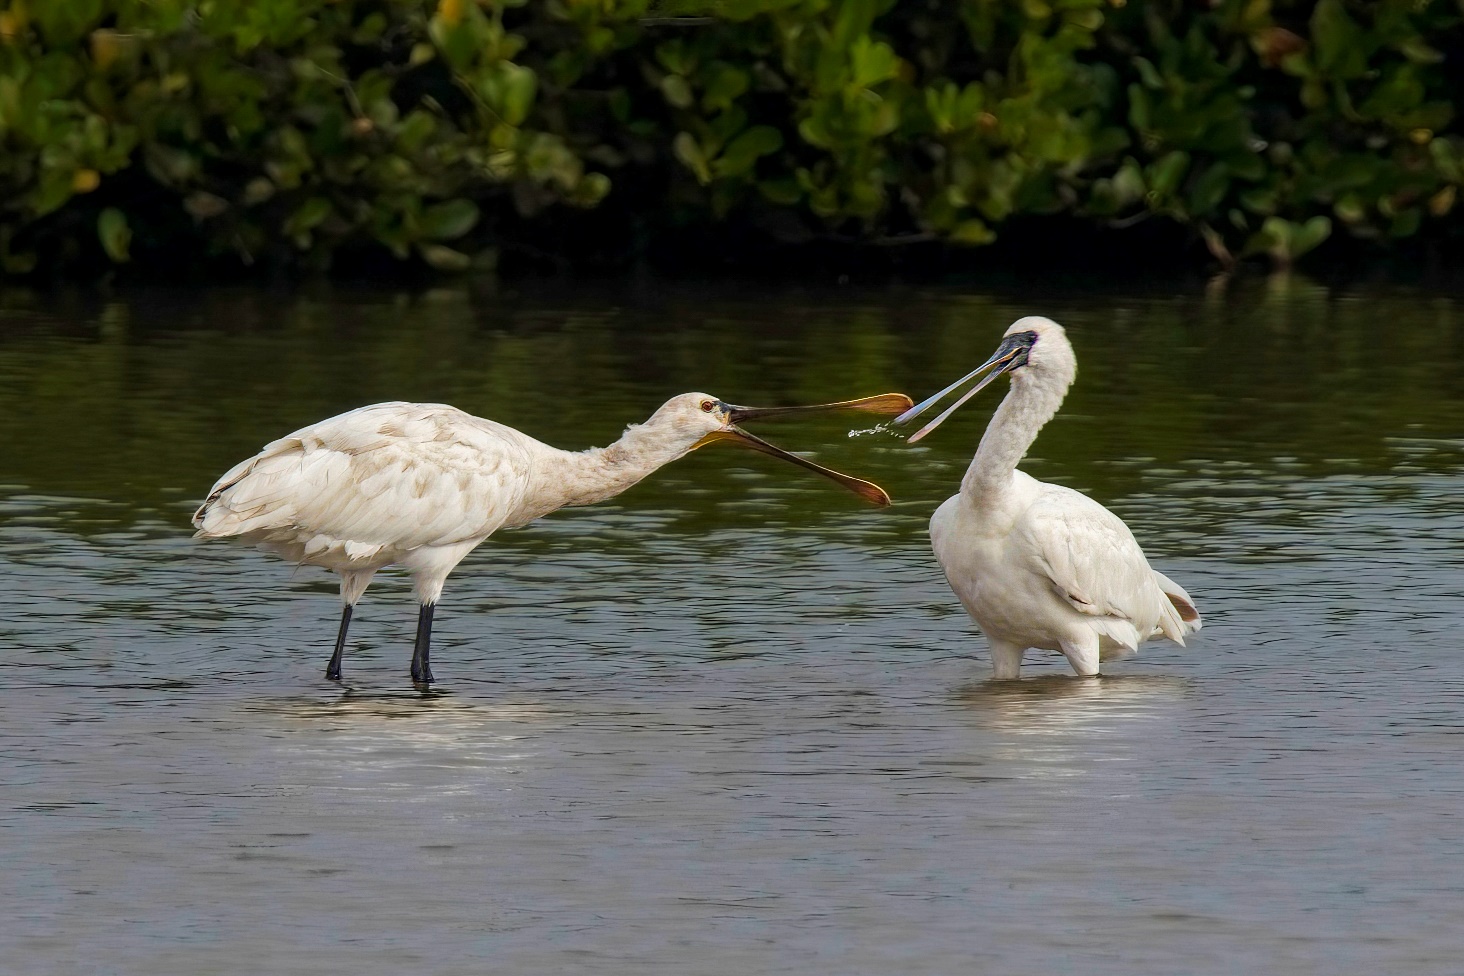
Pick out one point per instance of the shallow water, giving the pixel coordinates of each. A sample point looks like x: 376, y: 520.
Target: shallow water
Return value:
x: 733, y: 722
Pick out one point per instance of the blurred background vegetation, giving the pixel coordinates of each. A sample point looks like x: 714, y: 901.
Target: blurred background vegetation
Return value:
x: 172, y: 134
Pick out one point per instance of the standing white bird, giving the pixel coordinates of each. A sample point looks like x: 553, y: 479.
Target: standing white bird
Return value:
x: 421, y: 485
x: 1039, y: 565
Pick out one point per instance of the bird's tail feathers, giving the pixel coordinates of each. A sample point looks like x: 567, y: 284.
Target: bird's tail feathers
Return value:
x: 1185, y: 618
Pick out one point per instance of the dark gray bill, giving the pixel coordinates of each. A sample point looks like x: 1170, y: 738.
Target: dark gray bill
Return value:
x: 1009, y: 355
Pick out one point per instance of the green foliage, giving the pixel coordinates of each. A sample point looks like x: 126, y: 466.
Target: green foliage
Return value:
x: 286, y: 130
x: 266, y: 128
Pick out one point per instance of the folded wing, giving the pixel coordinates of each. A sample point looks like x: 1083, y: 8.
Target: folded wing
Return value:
x: 1096, y: 565
x: 393, y: 476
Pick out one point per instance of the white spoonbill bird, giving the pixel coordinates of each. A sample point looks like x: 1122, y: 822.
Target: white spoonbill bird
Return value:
x: 423, y: 484
x: 1039, y: 565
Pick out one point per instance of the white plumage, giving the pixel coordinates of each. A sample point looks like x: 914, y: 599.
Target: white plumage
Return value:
x: 421, y: 485
x: 1039, y: 565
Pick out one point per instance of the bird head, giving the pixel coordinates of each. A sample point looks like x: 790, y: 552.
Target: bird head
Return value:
x: 704, y: 419
x: 1032, y: 343
x: 1031, y: 346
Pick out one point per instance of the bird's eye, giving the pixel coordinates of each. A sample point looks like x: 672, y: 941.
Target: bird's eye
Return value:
x: 708, y: 406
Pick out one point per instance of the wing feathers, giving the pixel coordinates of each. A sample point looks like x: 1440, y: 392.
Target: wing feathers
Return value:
x: 1096, y: 565
x: 396, y: 475
x: 1183, y: 604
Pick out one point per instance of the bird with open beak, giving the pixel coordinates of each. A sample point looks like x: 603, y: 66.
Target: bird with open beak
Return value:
x: 729, y: 432
x: 421, y: 485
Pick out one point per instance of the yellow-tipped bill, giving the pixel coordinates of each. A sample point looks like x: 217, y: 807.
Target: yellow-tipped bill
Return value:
x: 887, y: 403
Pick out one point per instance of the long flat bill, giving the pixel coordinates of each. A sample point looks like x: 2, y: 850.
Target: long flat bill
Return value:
x: 884, y: 403
x: 985, y: 381
x: 867, y: 490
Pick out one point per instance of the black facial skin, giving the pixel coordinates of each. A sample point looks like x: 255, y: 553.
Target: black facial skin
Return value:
x: 1019, y: 347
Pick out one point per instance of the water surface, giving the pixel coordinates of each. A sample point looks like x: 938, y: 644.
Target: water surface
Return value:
x: 733, y: 721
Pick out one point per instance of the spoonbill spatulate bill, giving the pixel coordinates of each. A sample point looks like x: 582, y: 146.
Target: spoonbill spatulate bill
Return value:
x: 1038, y: 565
x: 421, y: 485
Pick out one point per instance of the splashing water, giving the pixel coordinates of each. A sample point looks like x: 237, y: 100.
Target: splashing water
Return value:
x: 876, y: 429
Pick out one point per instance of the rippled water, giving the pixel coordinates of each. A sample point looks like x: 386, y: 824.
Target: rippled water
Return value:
x: 733, y: 722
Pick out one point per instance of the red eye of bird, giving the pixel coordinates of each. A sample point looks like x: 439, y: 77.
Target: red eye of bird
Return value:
x: 707, y: 405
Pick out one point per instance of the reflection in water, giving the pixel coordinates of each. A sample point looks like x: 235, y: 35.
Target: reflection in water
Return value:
x: 730, y: 723
x: 1252, y: 376
x: 436, y: 710
x: 1061, y: 703
x: 1063, y: 725
x: 404, y: 745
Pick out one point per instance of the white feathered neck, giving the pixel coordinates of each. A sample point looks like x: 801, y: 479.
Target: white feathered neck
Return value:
x: 1036, y: 394
x: 586, y: 477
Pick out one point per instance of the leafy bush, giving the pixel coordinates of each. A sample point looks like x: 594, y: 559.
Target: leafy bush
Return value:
x: 265, y: 128
x: 287, y: 130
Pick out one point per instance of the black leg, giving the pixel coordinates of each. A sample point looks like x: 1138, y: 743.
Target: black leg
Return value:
x: 333, y: 669
x: 421, y: 666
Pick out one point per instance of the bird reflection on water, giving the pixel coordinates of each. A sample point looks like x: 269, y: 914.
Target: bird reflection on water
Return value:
x: 1074, y: 717
x: 398, y: 710
x: 405, y: 744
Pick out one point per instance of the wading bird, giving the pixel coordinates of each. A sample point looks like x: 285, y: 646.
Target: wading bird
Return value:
x: 1039, y: 565
x: 421, y: 485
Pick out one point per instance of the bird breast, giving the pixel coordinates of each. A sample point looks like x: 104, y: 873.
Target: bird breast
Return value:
x: 999, y: 583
